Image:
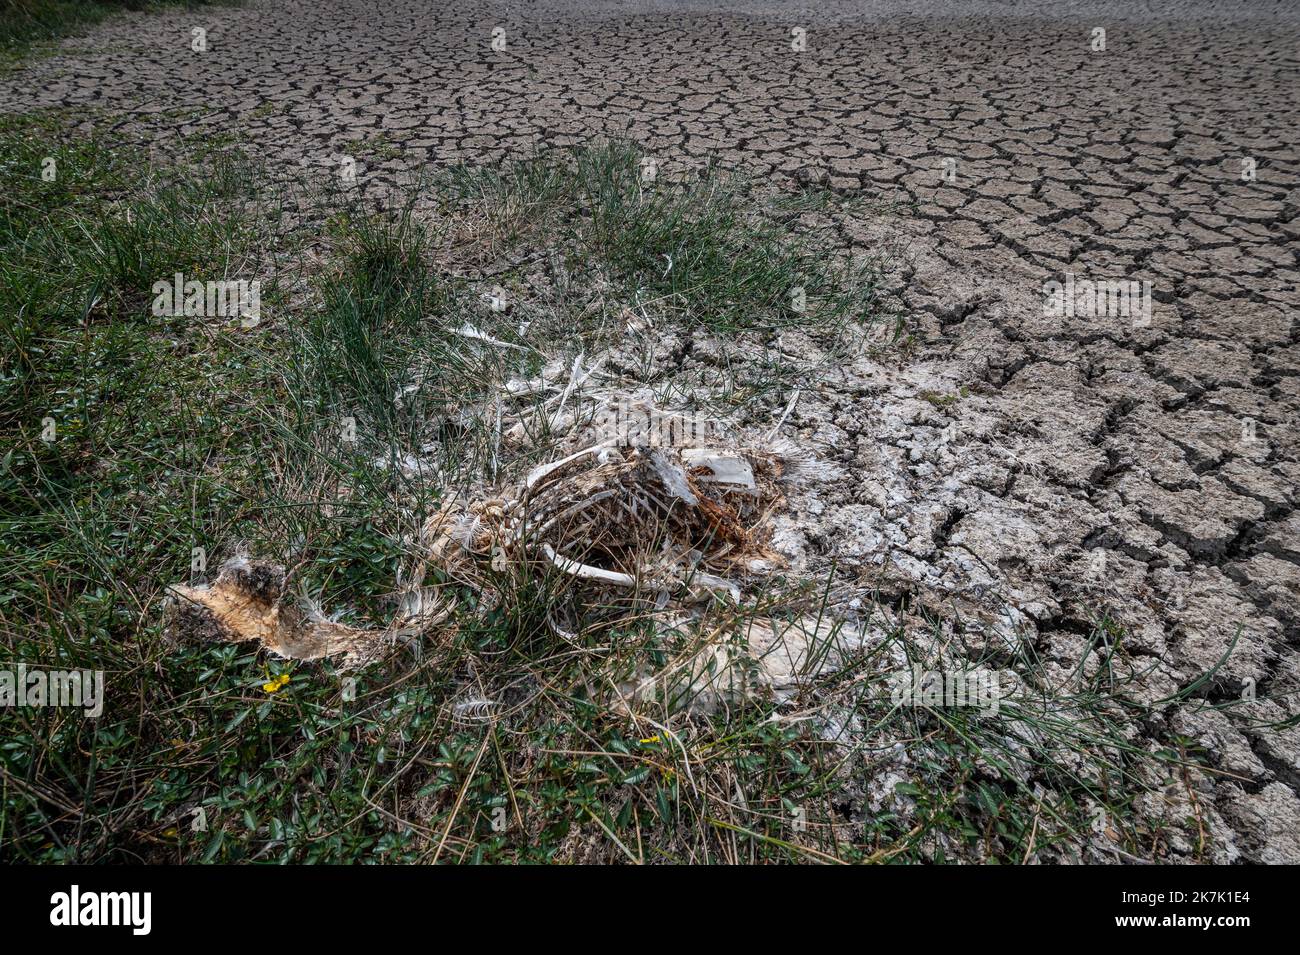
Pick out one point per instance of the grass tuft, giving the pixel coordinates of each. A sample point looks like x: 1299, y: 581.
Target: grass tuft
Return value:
x: 704, y: 248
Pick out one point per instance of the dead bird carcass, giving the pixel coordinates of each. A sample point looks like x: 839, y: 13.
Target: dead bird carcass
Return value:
x: 663, y: 523
x: 674, y: 522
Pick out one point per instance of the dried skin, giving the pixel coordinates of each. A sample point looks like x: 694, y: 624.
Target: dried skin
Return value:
x: 247, y: 602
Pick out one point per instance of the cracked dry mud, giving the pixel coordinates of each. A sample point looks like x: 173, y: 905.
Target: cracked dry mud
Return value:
x: 1097, y: 465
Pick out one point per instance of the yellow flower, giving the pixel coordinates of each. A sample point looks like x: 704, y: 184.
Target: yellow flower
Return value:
x: 276, y: 684
x: 651, y: 739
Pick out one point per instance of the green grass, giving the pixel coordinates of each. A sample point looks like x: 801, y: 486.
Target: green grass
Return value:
x: 704, y: 248
x: 170, y: 434
x: 496, y: 741
x: 24, y: 23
